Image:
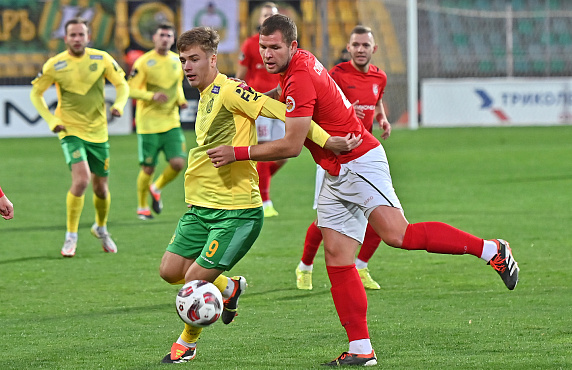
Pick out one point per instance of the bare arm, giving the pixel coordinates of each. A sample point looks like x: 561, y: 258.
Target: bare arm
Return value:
x: 381, y: 119
x: 241, y: 72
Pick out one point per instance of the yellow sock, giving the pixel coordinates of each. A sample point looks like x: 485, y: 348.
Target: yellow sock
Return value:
x: 101, y: 209
x: 191, y: 334
x: 74, y: 206
x: 221, y: 282
x: 166, y: 177
x: 143, y: 182
x: 182, y: 281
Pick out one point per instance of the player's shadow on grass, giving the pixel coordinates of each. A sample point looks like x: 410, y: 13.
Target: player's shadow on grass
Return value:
x: 31, y: 258
x: 301, y: 294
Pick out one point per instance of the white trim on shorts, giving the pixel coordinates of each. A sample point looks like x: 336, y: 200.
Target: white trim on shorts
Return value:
x: 346, y: 201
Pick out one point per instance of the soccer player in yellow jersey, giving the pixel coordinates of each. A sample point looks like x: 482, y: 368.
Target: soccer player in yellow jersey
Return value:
x: 80, y: 121
x: 156, y: 81
x: 225, y: 207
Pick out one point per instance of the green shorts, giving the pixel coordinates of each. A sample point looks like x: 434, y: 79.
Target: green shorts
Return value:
x: 96, y: 154
x: 216, y: 238
x: 171, y: 142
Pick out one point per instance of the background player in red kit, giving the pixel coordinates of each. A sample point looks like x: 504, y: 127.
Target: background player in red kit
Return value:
x: 363, y: 84
x: 357, y: 187
x: 252, y: 70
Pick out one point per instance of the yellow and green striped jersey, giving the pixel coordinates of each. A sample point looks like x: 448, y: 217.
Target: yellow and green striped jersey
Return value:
x: 151, y: 73
x: 225, y: 116
x: 80, y: 87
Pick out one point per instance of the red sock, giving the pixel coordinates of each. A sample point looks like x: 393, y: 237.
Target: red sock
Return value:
x: 311, y: 244
x: 438, y: 237
x: 264, y: 176
x: 275, y: 166
x: 350, y: 300
x: 370, y: 243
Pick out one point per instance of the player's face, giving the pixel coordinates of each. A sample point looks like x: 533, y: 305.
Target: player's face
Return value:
x: 276, y: 54
x: 199, y: 67
x: 163, y: 40
x: 361, y: 47
x: 76, y: 39
x: 266, y: 12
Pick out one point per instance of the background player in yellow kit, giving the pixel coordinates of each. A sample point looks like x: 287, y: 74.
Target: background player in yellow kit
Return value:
x: 80, y: 121
x: 156, y: 82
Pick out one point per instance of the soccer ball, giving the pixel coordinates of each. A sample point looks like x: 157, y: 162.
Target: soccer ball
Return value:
x: 199, y: 303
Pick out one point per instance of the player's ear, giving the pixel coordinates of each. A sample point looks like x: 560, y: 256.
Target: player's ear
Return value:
x: 213, y: 60
x: 374, y: 49
x: 293, y: 47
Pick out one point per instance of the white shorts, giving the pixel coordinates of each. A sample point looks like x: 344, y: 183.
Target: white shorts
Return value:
x: 346, y: 201
x: 269, y: 129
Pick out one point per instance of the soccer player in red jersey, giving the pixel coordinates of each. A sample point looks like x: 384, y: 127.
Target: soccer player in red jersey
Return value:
x: 363, y: 84
x: 252, y: 70
x: 357, y: 186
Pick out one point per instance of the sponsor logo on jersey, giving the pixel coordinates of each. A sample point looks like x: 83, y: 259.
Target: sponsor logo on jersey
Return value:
x: 93, y: 67
x: 365, y: 107
x: 290, y: 104
x: 134, y: 73
x: 96, y: 57
x: 375, y: 89
x: 209, y: 107
x: 60, y: 65
x: 151, y: 62
x: 216, y: 89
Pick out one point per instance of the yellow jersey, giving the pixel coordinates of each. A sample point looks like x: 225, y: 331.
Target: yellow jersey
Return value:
x: 226, y: 114
x: 151, y: 73
x: 80, y: 85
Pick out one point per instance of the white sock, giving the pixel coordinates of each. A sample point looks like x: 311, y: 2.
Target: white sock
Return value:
x: 227, y: 292
x: 267, y: 203
x: 360, y: 264
x: 72, y: 236
x: 303, y: 267
x: 489, y: 250
x: 154, y: 188
x: 360, y: 347
x: 188, y: 345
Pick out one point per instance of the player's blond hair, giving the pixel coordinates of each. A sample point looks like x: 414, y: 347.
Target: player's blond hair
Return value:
x: 204, y: 37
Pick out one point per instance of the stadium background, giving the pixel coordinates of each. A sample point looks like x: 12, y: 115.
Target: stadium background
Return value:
x: 456, y: 38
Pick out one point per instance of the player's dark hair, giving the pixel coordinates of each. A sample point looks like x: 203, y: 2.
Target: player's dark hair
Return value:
x: 360, y: 30
x: 165, y: 26
x: 204, y: 37
x: 280, y: 22
x: 76, y: 20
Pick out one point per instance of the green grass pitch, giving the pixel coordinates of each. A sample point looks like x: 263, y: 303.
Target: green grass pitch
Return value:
x: 100, y: 311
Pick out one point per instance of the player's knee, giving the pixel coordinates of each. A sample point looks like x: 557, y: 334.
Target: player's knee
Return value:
x: 395, y: 241
x: 177, y: 164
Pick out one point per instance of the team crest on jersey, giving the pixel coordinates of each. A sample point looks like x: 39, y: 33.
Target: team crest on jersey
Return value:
x: 96, y: 57
x: 60, y: 65
x: 318, y: 67
x: 151, y: 62
x: 209, y: 107
x: 375, y: 89
x: 93, y: 67
x: 290, y: 104
x: 216, y: 89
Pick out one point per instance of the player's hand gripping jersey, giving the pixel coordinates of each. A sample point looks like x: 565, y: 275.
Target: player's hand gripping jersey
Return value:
x: 305, y: 83
x: 152, y: 73
x: 80, y: 87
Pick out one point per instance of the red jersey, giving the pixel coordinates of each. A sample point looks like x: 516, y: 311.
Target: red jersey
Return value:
x: 367, y: 87
x: 308, y: 90
x: 256, y: 77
